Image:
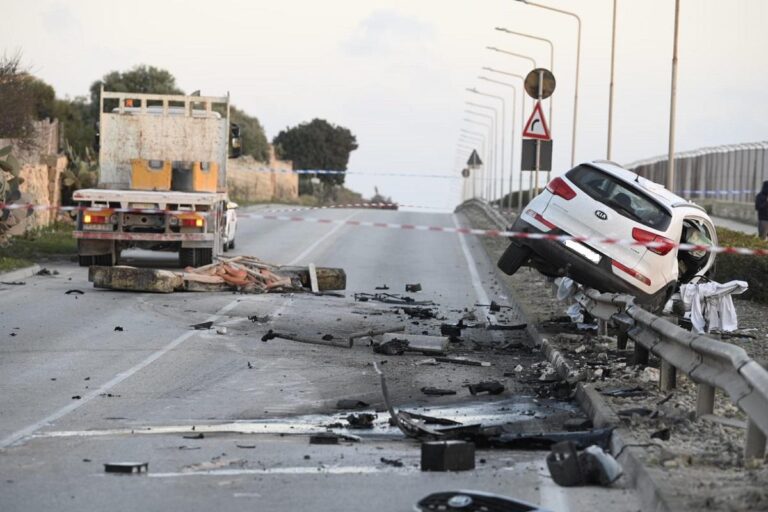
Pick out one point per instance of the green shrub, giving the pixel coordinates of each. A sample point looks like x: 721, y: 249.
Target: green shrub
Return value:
x: 752, y: 269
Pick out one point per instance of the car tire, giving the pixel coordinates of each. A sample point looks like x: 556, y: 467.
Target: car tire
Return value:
x: 225, y: 246
x: 513, y: 258
x: 232, y: 244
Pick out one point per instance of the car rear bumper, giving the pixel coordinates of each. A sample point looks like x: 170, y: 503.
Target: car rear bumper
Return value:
x: 552, y: 257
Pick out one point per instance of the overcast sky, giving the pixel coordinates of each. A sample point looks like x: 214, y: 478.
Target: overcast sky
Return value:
x: 395, y: 71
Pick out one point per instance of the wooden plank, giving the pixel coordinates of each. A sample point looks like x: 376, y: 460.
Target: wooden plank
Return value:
x: 135, y: 279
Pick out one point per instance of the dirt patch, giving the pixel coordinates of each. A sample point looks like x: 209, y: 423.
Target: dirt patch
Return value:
x: 699, y: 461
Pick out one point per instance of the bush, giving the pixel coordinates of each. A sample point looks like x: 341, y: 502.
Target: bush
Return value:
x: 752, y: 269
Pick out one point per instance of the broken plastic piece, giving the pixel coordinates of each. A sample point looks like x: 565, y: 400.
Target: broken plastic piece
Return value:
x: 569, y: 467
x: 126, y: 467
x: 599, y: 436
x: 437, y: 391
x: 462, y: 360
x: 346, y: 403
x: 413, y: 288
x: 324, y: 438
x: 447, y: 456
x: 362, y: 420
x: 473, y: 501
x: 202, y: 326
x: 490, y: 387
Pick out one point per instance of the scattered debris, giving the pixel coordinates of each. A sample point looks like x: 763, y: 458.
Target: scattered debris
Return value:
x: 361, y: 420
x: 327, y: 337
x: 635, y: 411
x: 427, y: 362
x: 199, y: 435
x: 451, y: 455
x: 382, y: 287
x: 575, y: 424
x: 569, y: 467
x: 462, y: 360
x: 126, y: 467
x: 392, y: 462
x: 269, y: 336
x: 490, y: 387
x: 372, y: 332
x: 430, y: 391
x: 624, y: 392
x: 428, y: 420
x: 391, y: 298
x: 324, y: 438
x: 250, y: 366
x: 202, y: 326
x: 507, y: 327
x: 73, y: 291
x: 421, y: 313
x: 260, y: 319
x: 473, y: 500
x: 221, y: 330
x: 396, y: 344
x: 14, y: 283
x: 664, y: 434
x: 246, y: 446
x: 76, y: 397
x: 346, y: 403
x: 413, y: 288
x: 118, y: 328
x: 391, y: 347
x: 650, y: 374
x: 599, y: 436
x: 45, y: 272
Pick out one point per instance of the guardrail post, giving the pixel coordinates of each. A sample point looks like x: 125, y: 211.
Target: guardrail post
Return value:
x: 641, y: 355
x: 621, y: 340
x: 602, y: 328
x: 705, y: 399
x: 668, y: 378
x: 755, y: 444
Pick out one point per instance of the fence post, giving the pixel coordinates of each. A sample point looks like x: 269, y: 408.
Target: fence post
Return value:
x: 705, y: 399
x: 668, y: 378
x: 755, y: 443
x: 602, y: 327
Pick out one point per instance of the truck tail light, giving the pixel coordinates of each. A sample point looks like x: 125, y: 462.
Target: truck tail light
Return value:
x: 646, y: 237
x: 559, y: 187
x: 192, y: 222
x: 99, y: 217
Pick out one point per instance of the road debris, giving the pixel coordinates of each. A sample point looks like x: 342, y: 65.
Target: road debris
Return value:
x: 473, y: 500
x: 74, y: 291
x: 324, y: 438
x: 592, y: 465
x: 392, y: 462
x: 126, y: 467
x: 361, y: 420
x: 246, y: 274
x: 391, y: 298
x: 13, y: 283
x: 118, y: 328
x: 346, y: 403
x: 490, y: 387
x: 45, y: 272
x: 451, y: 455
x: 202, y: 326
x: 430, y: 391
x: 462, y: 360
x: 413, y: 288
x: 382, y: 287
x: 599, y: 436
x: 397, y: 344
x: 221, y: 330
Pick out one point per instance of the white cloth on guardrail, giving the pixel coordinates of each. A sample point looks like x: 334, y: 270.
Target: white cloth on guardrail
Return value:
x: 711, y: 305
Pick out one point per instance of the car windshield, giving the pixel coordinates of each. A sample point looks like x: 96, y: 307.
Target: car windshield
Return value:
x: 622, y: 198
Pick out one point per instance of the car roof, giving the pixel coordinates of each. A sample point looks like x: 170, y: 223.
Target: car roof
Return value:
x: 659, y: 192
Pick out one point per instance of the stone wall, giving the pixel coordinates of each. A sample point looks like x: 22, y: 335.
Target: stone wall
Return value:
x: 41, y: 170
x: 249, y: 180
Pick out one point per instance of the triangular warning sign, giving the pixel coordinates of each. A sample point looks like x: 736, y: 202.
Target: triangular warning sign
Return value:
x: 536, y: 127
x: 474, y: 160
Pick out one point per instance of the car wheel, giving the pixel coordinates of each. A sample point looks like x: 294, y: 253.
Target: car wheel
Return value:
x: 225, y: 246
x: 232, y: 244
x: 514, y: 258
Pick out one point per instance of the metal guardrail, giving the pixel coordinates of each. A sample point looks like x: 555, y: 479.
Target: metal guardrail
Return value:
x: 712, y: 364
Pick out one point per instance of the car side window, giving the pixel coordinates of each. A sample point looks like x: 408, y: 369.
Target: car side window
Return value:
x: 620, y: 197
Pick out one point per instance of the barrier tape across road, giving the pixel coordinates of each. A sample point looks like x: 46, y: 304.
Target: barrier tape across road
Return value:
x: 414, y: 227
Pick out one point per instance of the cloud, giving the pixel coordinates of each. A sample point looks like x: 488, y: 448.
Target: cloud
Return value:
x: 385, y: 31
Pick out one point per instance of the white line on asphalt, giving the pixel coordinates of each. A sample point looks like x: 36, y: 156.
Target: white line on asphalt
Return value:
x: 120, y: 377
x: 477, y: 283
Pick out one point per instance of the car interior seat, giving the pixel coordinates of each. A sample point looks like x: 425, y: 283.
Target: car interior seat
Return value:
x: 623, y: 199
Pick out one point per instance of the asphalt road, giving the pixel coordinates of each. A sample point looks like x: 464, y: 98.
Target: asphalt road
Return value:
x: 76, y: 393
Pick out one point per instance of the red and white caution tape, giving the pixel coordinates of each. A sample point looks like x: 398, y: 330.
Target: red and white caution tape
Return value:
x: 516, y: 234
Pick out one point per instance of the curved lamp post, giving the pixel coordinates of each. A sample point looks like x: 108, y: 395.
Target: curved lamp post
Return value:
x: 503, y: 109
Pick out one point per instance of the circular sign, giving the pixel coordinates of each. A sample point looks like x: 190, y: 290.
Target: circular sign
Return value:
x: 465, y: 172
x: 547, y: 86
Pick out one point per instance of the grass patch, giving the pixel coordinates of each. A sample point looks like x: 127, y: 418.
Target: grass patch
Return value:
x: 44, y: 243
x: 752, y: 269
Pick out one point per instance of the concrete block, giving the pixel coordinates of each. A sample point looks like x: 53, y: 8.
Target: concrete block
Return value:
x: 447, y: 456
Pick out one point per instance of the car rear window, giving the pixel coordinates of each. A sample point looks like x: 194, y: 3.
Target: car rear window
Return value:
x: 622, y: 198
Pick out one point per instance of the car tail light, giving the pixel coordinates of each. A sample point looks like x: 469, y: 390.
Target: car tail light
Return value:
x: 99, y: 217
x: 559, y: 187
x: 646, y: 237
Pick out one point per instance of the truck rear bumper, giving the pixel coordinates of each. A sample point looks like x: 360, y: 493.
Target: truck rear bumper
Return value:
x: 150, y: 237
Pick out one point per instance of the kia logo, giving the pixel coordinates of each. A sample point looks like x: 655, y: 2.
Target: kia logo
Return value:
x: 600, y: 214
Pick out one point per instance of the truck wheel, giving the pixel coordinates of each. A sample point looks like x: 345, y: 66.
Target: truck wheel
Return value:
x: 513, y: 258
x: 225, y: 247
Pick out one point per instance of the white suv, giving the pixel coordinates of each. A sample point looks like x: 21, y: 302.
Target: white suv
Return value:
x: 602, y: 200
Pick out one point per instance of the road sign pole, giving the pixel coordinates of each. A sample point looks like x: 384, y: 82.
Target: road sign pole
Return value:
x: 538, y: 142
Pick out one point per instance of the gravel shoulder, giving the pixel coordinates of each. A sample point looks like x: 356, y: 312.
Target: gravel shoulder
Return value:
x: 698, y: 463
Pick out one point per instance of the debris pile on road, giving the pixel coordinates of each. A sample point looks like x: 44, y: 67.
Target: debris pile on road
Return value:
x: 245, y: 274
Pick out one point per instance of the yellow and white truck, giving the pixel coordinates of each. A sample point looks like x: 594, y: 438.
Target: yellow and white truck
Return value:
x: 162, y: 186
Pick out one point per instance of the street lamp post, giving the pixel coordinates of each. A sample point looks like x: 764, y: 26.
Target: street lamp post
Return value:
x: 672, y: 103
x: 474, y: 138
x: 610, y: 86
x: 480, y: 114
x: 503, y: 109
x: 512, y: 140
x: 578, y: 62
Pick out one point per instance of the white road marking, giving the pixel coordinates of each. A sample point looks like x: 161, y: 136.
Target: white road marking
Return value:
x: 29, y: 430
x: 477, y: 283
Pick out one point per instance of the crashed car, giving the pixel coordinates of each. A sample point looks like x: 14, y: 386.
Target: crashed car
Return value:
x: 600, y: 202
